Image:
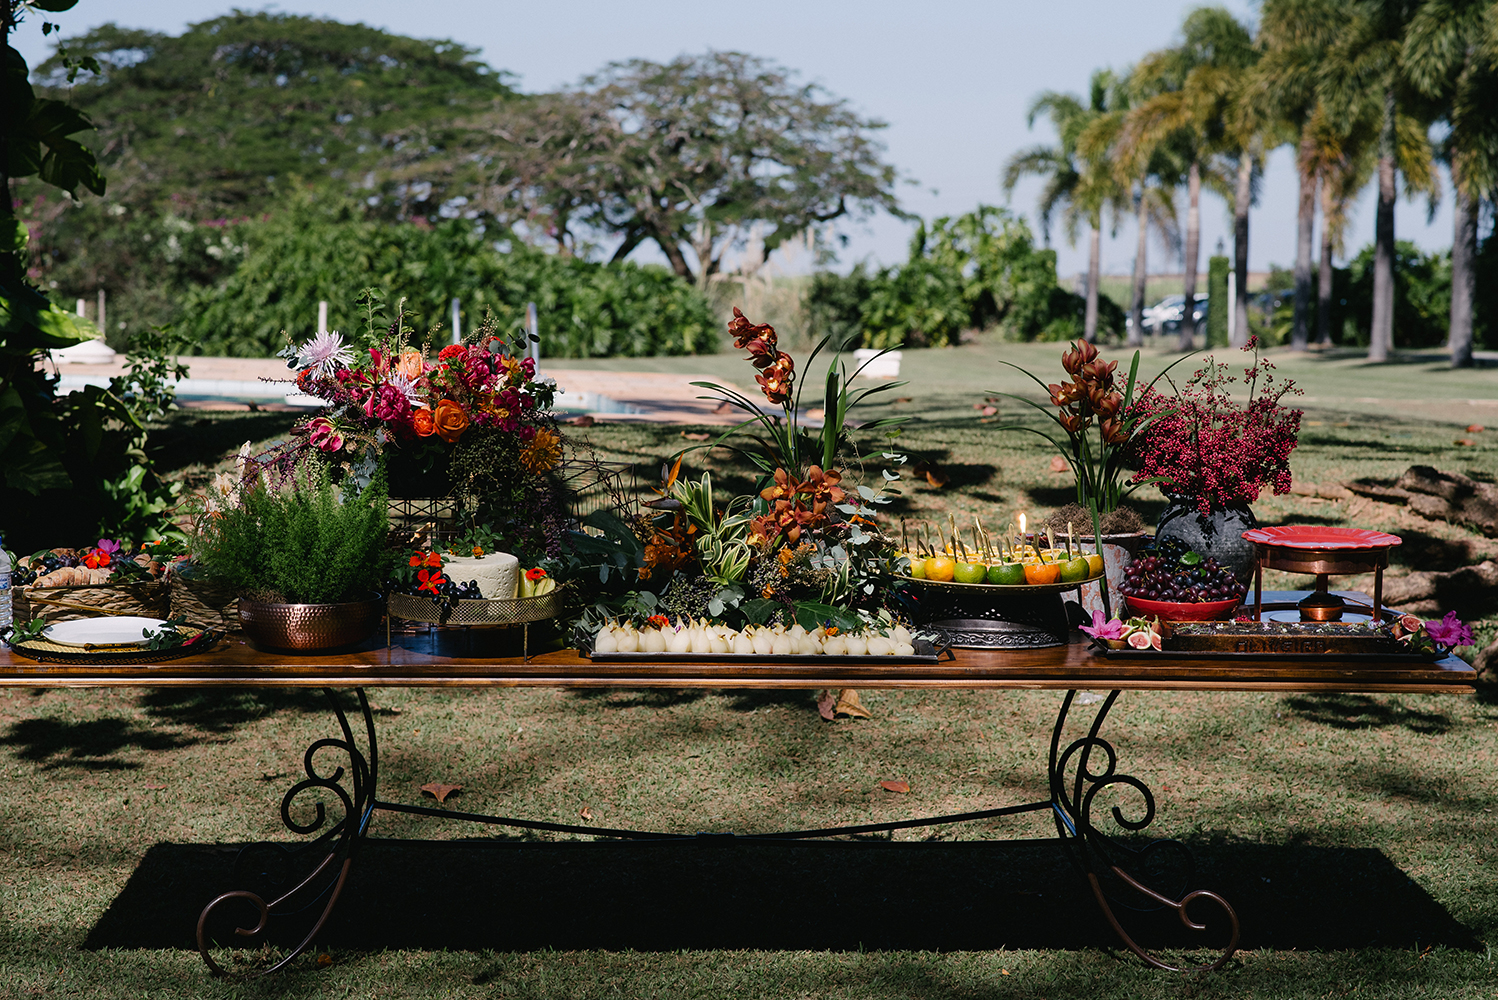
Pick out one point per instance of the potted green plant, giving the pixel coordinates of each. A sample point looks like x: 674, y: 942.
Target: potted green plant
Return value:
x: 304, y: 554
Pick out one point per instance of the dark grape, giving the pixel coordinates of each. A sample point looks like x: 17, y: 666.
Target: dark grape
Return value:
x: 1170, y: 571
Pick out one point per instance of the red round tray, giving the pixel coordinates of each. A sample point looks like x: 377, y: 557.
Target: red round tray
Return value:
x: 1305, y: 536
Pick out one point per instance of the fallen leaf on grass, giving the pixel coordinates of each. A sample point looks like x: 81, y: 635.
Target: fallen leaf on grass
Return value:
x: 155, y: 788
x: 586, y: 420
x: 826, y: 705
x: 989, y: 411
x: 894, y: 786
x: 324, y: 960
x: 1058, y: 464
x: 696, y: 437
x: 902, y: 399
x: 1465, y: 442
x: 848, y: 704
x: 933, y: 473
x: 586, y: 813
x: 1474, y: 428
x: 439, y: 791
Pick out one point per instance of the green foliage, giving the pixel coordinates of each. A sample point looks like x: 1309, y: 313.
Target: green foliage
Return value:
x: 975, y: 271
x: 319, y: 252
x: 308, y: 542
x: 1217, y: 296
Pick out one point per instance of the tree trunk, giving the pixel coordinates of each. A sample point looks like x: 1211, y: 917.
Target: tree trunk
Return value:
x: 1136, y: 314
x: 1463, y: 278
x: 678, y: 260
x: 1381, y: 339
x: 1094, y: 265
x: 1324, y: 277
x: 1193, y: 241
x: 1241, y: 198
x: 1305, y: 220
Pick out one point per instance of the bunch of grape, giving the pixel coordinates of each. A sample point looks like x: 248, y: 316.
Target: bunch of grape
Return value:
x: 22, y: 577
x: 460, y: 591
x: 1172, y: 572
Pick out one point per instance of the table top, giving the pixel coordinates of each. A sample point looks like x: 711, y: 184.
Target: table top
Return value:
x: 449, y: 659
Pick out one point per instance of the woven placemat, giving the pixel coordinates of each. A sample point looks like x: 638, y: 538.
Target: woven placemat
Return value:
x: 47, y: 651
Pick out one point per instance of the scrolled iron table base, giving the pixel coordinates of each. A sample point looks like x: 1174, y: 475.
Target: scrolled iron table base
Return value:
x: 1109, y: 865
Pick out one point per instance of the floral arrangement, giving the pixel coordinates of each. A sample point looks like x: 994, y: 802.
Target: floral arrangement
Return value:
x: 803, y: 548
x: 471, y: 419
x: 1432, y: 636
x: 1204, y: 444
x: 1100, y: 421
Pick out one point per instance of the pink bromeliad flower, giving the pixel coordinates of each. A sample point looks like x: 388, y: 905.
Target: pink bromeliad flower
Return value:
x: 1102, y: 630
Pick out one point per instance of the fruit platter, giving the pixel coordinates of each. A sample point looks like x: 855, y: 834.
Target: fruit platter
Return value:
x: 1019, y: 564
x: 687, y: 639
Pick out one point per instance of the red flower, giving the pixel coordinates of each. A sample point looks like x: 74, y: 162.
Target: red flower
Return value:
x: 659, y: 621
x: 451, y: 351
x: 430, y: 580
x: 535, y: 574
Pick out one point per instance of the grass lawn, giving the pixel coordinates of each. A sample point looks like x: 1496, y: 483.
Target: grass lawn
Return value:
x: 1358, y: 835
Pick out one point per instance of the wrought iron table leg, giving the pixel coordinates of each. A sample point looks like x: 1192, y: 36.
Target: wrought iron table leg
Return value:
x: 1100, y: 855
x: 340, y: 839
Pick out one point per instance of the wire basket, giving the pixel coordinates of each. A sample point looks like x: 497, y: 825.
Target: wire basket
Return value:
x: 592, y: 484
x: 475, y: 612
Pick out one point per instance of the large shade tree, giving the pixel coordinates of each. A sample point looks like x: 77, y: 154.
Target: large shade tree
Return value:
x: 1080, y: 186
x: 699, y: 156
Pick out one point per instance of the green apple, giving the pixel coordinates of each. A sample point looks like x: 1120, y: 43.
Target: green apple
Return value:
x: 1074, y: 570
x: 967, y: 572
x: 1010, y: 574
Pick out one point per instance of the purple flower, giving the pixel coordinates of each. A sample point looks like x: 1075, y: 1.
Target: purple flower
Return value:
x: 1450, y: 631
x: 1100, y: 629
x: 111, y: 546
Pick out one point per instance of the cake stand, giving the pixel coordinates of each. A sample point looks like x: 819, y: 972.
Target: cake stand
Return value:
x: 1324, y: 552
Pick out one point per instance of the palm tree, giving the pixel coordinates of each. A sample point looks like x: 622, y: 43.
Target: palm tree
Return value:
x: 1081, y: 187
x: 1151, y: 175
x: 1362, y: 72
x: 1451, y: 59
x: 1197, y: 107
x: 1296, y: 34
x: 1344, y: 165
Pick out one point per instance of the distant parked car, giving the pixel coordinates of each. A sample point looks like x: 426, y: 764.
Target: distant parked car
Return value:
x: 1165, y: 315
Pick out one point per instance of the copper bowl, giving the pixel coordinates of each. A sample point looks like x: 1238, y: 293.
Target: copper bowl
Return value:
x: 310, y: 627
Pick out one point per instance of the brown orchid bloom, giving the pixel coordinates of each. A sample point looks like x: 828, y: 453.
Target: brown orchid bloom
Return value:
x: 1113, y: 431
x: 744, y: 332
x: 822, y: 487
x: 783, y: 488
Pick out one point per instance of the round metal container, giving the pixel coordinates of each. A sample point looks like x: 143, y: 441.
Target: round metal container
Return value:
x: 311, y: 626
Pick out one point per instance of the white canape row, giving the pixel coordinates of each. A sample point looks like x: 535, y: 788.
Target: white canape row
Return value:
x: 759, y: 640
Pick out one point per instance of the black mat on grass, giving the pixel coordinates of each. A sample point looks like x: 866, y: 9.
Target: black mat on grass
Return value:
x: 722, y: 893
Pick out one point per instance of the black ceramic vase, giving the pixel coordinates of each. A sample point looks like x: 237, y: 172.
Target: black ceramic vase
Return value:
x: 1217, y: 534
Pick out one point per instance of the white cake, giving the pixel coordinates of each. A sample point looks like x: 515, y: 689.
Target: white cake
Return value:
x: 497, y: 574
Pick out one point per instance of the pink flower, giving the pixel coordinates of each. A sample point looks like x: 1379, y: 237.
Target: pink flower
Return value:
x: 1450, y: 631
x: 1100, y: 629
x: 324, y: 435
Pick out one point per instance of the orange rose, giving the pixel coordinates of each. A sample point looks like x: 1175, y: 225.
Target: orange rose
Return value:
x: 410, y: 365
x: 450, y: 421
x: 423, y: 423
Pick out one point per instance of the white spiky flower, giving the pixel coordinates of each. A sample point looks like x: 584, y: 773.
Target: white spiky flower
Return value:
x: 404, y: 386
x: 324, y: 352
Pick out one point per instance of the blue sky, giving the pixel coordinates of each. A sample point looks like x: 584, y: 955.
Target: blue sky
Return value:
x: 953, y: 78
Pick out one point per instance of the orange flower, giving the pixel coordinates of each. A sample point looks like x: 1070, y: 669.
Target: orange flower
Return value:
x: 450, y: 421
x: 410, y: 365
x: 421, y: 421
x: 535, y: 574
x: 542, y: 452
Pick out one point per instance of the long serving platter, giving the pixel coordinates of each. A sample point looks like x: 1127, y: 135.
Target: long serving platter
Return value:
x: 999, y: 588
x: 935, y: 655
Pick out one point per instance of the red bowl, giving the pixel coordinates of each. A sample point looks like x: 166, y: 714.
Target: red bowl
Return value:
x: 1171, y: 611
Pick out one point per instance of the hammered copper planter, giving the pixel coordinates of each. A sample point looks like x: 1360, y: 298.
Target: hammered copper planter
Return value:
x: 309, y: 627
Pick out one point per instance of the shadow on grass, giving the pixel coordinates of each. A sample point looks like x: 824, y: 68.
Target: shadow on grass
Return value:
x: 737, y: 701
x: 220, y: 710
x: 1361, y: 711
x: 725, y: 893
x: 93, y: 745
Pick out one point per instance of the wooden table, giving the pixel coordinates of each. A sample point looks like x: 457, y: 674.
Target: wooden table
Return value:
x: 1078, y: 770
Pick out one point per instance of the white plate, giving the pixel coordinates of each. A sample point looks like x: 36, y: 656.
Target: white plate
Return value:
x: 1293, y: 615
x: 124, y: 630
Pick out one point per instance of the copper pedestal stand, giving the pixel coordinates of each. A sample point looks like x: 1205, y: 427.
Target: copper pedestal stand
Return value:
x: 1323, y: 558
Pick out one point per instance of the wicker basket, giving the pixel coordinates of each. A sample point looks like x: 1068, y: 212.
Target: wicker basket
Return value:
x: 208, y: 605
x: 147, y: 598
